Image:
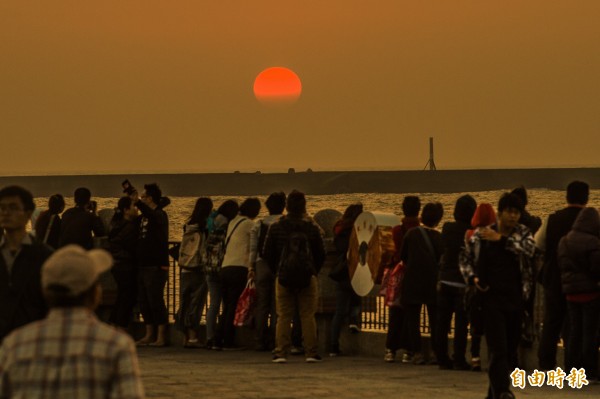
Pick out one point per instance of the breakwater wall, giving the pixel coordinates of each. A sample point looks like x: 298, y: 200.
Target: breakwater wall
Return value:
x: 314, y: 183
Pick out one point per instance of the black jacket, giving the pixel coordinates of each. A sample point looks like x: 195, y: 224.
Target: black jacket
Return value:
x: 77, y: 227
x: 41, y: 228
x: 277, y: 237
x: 122, y: 244
x: 153, y: 240
x: 579, y: 255
x: 421, y: 276
x: 453, y: 237
x: 21, y: 299
x: 558, y: 225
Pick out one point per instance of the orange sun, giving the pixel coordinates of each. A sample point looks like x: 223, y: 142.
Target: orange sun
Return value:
x: 277, y: 85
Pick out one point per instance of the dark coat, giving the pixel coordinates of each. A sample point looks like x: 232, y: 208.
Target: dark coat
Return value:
x: 153, y: 240
x: 122, y: 244
x: 77, y: 227
x: 45, y: 220
x: 453, y: 237
x: 579, y: 255
x: 277, y: 238
x: 421, y: 276
x: 558, y: 225
x: 21, y: 299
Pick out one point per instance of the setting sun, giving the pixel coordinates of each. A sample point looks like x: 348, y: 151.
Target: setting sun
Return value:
x: 277, y: 85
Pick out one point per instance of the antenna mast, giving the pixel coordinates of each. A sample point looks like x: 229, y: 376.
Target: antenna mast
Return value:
x: 431, y: 162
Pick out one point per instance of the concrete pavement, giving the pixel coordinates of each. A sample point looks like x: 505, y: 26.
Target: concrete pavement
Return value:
x: 174, y: 372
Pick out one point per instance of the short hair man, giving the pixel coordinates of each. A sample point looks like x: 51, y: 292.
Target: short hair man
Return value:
x: 556, y: 226
x: 21, y: 259
x: 70, y: 354
x: 262, y: 273
x: 295, y: 229
x: 78, y: 223
x: 503, y: 276
x: 153, y: 261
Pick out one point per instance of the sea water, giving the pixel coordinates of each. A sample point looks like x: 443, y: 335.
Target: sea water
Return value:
x: 541, y: 203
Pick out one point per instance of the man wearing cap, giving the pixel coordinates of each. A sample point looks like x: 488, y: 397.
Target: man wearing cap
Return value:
x: 21, y: 259
x: 70, y: 354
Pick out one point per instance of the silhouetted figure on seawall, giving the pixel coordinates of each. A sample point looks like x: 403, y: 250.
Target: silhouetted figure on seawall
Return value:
x: 553, y: 229
x: 81, y: 221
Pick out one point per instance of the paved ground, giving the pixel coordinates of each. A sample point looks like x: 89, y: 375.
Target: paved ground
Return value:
x: 196, y: 373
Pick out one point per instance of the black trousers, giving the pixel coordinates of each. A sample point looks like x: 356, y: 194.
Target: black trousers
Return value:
x: 502, y: 334
x: 555, y: 326
x: 395, y: 325
x: 151, y: 286
x: 127, y: 288
x: 233, y: 282
x: 411, y: 331
x: 451, y: 301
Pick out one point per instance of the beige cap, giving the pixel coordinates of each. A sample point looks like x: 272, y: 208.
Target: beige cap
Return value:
x: 75, y: 268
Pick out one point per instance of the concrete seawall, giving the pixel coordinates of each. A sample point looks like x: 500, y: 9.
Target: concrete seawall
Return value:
x: 315, y: 183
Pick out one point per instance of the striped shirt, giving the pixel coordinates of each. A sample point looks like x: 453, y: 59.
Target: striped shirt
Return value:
x: 70, y: 354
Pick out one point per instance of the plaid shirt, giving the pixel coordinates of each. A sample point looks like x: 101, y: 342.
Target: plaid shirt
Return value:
x: 70, y: 354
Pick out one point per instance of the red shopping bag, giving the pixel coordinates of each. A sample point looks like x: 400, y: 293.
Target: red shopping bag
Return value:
x: 244, y: 312
x: 394, y: 285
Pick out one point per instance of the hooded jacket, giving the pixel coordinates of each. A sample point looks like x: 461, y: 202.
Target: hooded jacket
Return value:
x: 579, y: 255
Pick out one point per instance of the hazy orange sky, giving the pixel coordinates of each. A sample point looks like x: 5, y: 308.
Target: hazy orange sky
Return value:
x: 146, y: 86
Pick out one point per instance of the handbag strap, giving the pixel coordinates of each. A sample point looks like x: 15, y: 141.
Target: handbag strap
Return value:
x: 428, y: 243
x: 233, y: 231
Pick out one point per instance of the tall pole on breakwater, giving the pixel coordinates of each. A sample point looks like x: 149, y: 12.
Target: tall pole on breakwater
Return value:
x: 431, y: 162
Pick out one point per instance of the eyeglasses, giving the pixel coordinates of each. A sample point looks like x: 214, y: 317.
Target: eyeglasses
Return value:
x: 11, y: 208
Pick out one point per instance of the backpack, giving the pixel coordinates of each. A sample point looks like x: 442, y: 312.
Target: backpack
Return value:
x: 214, y: 251
x: 296, y: 265
x: 189, y: 251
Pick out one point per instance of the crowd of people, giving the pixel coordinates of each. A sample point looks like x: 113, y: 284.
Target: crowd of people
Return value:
x: 479, y: 270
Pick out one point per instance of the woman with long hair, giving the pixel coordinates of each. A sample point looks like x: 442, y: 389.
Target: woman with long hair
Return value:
x: 193, y: 286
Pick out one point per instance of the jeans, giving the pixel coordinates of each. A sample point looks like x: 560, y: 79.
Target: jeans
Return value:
x: 192, y: 298
x: 502, y: 334
x: 347, y: 305
x: 265, y: 316
x: 305, y: 300
x: 451, y: 301
x: 151, y: 287
x: 214, y: 294
x: 233, y: 282
x: 583, y: 343
x: 127, y: 292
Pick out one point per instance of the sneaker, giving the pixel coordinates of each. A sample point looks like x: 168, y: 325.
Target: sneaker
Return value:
x: 475, y: 364
x: 408, y: 357
x: 279, y: 359
x: 314, y: 359
x: 296, y: 351
x: 335, y: 351
x: 390, y: 356
x: 354, y: 328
